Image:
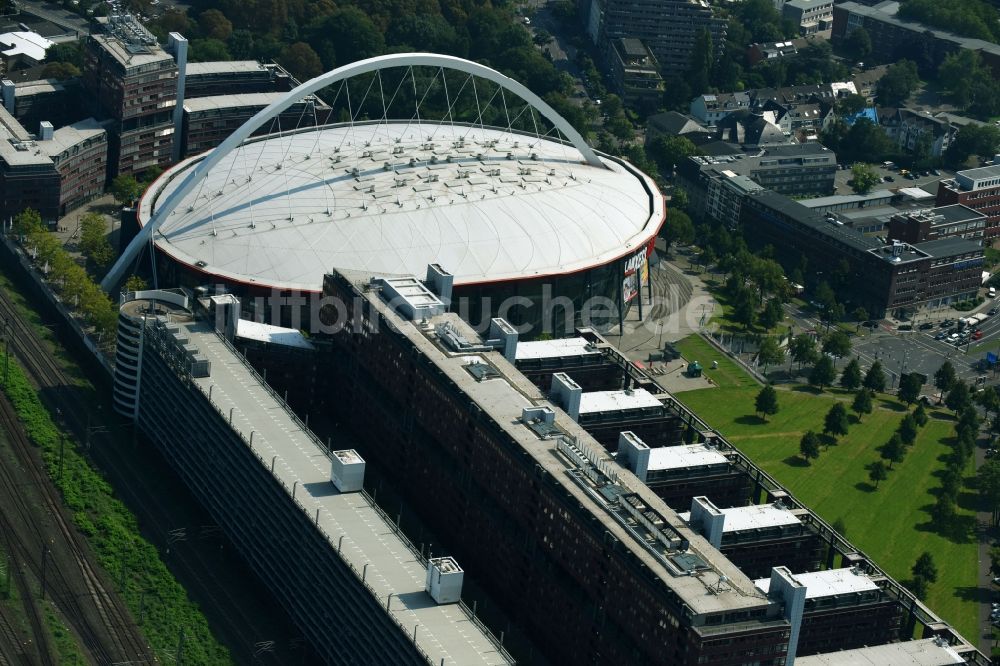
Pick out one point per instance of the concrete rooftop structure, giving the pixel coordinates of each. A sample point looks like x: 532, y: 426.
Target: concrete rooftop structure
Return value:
x: 302, y: 466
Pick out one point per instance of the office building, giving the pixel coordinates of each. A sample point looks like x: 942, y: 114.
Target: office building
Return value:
x: 791, y: 169
x: 635, y: 74
x: 678, y: 474
x: 80, y: 154
x: 758, y: 537
x: 28, y: 177
x: 811, y: 16
x: 238, y: 77
x: 897, y: 277
x: 208, y: 121
x: 131, y: 80
x: 668, y: 27
x: 844, y: 609
x: 894, y: 38
x: 297, y: 512
x: 978, y: 189
x: 934, y: 223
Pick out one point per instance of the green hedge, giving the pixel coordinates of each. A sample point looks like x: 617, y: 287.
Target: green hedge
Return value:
x: 113, y: 533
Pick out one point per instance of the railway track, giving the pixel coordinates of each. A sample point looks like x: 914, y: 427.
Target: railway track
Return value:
x: 65, y: 585
x: 246, y: 628
x: 111, y: 635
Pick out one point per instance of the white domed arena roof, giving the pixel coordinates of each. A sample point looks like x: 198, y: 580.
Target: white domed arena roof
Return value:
x: 389, y: 199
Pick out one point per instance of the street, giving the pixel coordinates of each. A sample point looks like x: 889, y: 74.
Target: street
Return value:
x: 905, y: 351
x: 56, y: 14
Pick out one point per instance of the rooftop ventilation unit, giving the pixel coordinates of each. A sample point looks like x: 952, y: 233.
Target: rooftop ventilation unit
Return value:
x: 347, y: 471
x: 444, y: 580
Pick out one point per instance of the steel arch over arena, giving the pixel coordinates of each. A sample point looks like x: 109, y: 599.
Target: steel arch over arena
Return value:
x: 506, y: 211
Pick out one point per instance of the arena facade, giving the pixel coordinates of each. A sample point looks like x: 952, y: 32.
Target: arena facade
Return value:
x: 533, y: 227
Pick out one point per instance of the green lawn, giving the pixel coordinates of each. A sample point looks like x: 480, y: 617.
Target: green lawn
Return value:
x: 892, y: 523
x: 727, y: 375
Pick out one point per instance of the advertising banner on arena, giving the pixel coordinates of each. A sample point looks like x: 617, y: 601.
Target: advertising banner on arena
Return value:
x: 636, y: 274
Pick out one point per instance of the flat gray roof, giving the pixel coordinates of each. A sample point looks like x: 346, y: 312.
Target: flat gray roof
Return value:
x: 502, y: 400
x: 217, y: 102
x: 16, y: 145
x: 446, y: 632
x: 924, y: 652
x: 71, y: 135
x: 130, y: 58
x: 223, y: 67
x: 837, y: 199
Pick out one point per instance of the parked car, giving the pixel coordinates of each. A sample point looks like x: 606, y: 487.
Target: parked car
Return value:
x: 946, y: 323
x: 889, y: 179
x: 953, y: 337
x: 926, y: 326
x: 935, y: 172
x: 941, y: 335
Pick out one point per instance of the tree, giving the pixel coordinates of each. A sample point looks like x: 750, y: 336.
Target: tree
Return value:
x: 837, y: 344
x: 803, y: 348
x: 995, y: 560
x: 925, y: 568
x: 989, y: 400
x: 60, y: 70
x: 300, y: 59
x: 125, y: 189
x: 767, y: 402
x: 862, y: 403
x: 850, y: 378
x: 875, y: 378
x: 958, y: 397
x: 910, y: 384
x: 981, y: 140
x: 943, y: 512
x: 920, y: 415
x: 988, y: 483
x: 669, y: 151
x: 92, y: 233
x: 135, y: 283
x: 899, y: 80
x: 809, y: 446
x: 860, y: 315
x: 701, y: 61
x: 772, y: 314
x: 864, y: 178
x: 835, y: 422
x: 348, y: 34
x: 744, y: 310
x: 769, y: 353
x: 918, y: 586
x: 678, y: 228
x: 208, y: 50
x: 908, y: 429
x: 823, y: 373
x: 679, y: 198
x: 858, y: 44
x: 877, y: 472
x: 66, y: 52
x: 215, y: 25
x: 893, y: 451
x: 944, y: 378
